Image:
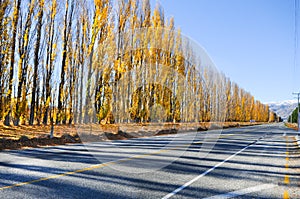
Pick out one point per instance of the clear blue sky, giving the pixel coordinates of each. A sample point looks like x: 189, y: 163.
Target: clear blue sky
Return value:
x: 251, y: 41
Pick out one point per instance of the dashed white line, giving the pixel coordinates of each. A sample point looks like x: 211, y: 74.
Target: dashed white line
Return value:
x: 298, y: 140
x: 284, y: 134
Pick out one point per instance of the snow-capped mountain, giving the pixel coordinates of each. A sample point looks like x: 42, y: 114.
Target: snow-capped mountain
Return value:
x: 283, y: 108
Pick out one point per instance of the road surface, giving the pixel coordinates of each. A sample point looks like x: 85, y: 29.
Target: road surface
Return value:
x: 250, y: 162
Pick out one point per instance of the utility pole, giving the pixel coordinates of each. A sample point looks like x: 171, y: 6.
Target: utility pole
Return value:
x: 298, y: 95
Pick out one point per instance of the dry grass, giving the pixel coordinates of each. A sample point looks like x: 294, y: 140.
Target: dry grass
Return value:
x: 292, y: 126
x: 12, y: 137
x: 15, y: 132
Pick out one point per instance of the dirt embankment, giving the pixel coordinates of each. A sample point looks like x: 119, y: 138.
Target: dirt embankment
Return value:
x: 292, y: 126
x: 38, y: 136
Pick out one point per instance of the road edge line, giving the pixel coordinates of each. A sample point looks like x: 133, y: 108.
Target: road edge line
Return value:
x: 203, y: 174
x: 242, y: 192
x: 297, y: 140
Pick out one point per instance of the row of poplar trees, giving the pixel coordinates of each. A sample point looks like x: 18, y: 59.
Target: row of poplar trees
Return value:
x: 79, y: 61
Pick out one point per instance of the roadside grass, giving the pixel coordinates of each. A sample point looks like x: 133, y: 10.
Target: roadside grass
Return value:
x: 292, y: 126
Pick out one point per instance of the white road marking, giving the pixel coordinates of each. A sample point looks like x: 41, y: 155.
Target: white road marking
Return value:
x: 298, y: 140
x: 203, y: 174
x: 243, y: 191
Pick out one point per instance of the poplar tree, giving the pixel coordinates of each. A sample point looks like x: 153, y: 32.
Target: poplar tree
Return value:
x: 51, y: 51
x: 4, y: 52
x: 24, y: 48
x: 15, y: 20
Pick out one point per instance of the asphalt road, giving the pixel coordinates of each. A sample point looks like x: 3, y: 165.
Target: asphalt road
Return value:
x: 250, y: 162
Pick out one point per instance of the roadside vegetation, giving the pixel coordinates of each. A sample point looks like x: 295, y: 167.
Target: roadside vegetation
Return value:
x: 24, y: 136
x: 61, y: 63
x: 293, y: 118
x: 292, y: 126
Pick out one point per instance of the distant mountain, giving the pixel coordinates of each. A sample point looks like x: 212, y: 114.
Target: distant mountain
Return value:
x: 283, y: 108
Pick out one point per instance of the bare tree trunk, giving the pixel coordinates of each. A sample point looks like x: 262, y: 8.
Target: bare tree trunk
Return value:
x: 36, y: 63
x: 49, y: 61
x: 12, y: 60
x: 68, y: 18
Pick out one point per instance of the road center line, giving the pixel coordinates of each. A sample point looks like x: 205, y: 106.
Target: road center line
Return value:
x: 203, y: 174
x: 286, y: 180
x: 93, y: 167
x: 58, y: 175
x: 97, y: 166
